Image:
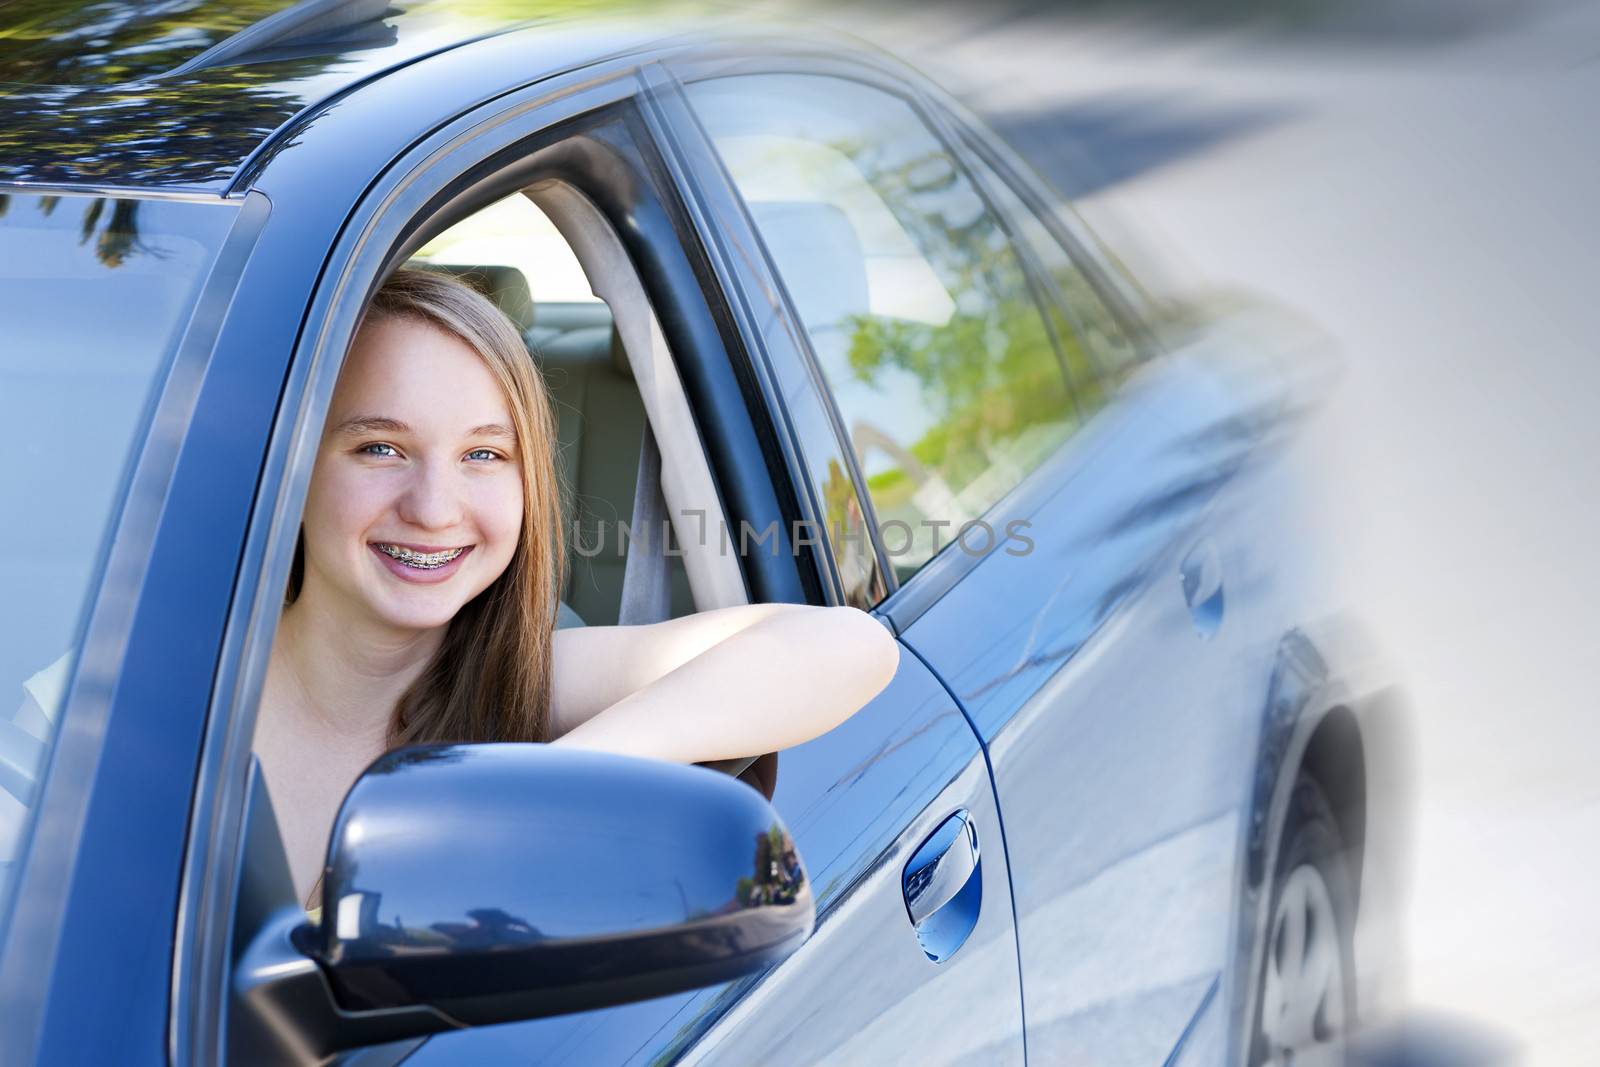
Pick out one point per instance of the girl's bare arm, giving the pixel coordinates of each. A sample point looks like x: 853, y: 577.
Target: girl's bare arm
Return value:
x: 718, y: 684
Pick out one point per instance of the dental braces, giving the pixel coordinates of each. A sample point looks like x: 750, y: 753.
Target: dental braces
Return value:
x: 423, y: 560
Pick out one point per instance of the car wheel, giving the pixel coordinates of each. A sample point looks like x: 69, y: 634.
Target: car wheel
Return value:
x: 1306, y: 991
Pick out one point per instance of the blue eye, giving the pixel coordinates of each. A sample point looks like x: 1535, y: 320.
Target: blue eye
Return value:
x: 378, y: 448
x: 483, y: 453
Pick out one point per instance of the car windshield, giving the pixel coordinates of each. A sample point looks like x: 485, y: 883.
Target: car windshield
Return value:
x: 94, y: 295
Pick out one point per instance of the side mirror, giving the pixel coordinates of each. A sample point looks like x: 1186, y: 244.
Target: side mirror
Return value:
x: 477, y: 884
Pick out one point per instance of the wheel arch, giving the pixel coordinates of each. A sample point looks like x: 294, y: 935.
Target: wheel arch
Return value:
x: 1335, y: 755
x: 1308, y: 723
x: 1311, y: 720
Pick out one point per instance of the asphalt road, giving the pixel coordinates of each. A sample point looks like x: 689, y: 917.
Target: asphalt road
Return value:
x: 1428, y: 199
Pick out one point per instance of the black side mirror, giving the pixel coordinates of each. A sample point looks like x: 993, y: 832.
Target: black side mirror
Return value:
x: 476, y: 884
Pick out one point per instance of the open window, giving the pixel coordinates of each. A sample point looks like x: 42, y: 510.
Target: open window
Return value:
x: 642, y: 517
x: 611, y: 380
x: 564, y: 217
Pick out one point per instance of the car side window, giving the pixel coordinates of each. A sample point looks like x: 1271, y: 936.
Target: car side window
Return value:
x: 915, y: 302
x: 1095, y: 346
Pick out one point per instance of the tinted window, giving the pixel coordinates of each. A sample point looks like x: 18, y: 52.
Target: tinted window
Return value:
x: 914, y: 300
x: 1097, y: 350
x: 93, y: 297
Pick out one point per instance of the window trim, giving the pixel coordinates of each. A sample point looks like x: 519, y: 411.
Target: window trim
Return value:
x: 712, y: 67
x: 697, y: 173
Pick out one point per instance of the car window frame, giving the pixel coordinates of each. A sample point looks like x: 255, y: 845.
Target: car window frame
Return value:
x: 905, y: 601
x: 468, y: 161
x: 766, y: 56
x: 773, y: 336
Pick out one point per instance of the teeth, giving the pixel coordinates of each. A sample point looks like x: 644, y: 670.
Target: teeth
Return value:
x: 425, y: 560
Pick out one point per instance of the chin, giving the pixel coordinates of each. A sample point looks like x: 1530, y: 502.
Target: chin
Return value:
x: 419, y: 613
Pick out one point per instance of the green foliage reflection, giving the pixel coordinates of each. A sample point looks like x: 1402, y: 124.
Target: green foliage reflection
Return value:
x: 989, y: 377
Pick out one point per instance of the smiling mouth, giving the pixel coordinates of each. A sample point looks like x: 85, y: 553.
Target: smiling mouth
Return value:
x: 427, y: 561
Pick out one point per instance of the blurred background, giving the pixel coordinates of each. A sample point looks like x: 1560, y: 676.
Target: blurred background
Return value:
x: 1416, y: 178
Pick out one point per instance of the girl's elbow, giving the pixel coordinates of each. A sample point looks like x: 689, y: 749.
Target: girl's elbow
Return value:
x: 872, y: 651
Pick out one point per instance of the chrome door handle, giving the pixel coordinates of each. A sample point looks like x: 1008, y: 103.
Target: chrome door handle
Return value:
x: 943, y: 886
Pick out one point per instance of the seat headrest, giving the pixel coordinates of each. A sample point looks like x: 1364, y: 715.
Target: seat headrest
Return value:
x: 819, y: 254
x: 506, y: 286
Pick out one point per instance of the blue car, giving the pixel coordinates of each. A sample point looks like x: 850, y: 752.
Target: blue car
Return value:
x: 804, y: 316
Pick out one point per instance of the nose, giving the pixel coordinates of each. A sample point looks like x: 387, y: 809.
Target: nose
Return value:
x: 431, y: 500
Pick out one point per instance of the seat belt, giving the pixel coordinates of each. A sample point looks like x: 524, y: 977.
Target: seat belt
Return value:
x: 646, y: 585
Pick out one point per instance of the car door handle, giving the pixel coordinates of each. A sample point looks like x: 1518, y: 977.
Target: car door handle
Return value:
x: 1201, y: 575
x: 943, y: 885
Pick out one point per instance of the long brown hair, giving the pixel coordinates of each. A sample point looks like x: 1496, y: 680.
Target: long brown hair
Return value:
x: 490, y: 679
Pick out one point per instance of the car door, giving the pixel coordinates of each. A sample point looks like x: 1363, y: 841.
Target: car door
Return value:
x: 902, y: 780
x: 1037, y: 488
x: 928, y: 969
x: 1122, y: 687
x: 770, y: 159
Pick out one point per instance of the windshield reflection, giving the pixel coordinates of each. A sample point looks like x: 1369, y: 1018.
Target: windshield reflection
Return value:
x: 109, y: 93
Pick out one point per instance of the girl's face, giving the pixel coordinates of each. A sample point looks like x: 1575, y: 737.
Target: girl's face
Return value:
x: 416, y: 498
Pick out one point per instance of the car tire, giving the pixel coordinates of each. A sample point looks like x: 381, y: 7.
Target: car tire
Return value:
x: 1306, y: 989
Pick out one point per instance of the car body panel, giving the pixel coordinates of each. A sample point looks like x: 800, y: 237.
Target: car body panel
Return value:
x: 1123, y: 721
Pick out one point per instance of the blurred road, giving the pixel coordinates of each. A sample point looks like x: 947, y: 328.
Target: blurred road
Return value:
x: 1428, y: 199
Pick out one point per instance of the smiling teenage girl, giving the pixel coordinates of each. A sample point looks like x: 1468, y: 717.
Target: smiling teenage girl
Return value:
x: 423, y: 600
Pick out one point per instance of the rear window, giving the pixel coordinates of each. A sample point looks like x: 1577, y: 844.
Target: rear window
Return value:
x: 94, y: 295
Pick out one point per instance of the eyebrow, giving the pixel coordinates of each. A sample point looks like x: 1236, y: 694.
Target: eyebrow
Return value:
x: 365, y: 424
x: 493, y: 429
x: 360, y: 424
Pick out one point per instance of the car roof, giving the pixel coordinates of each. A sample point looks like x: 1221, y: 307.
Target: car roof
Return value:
x: 179, y: 97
